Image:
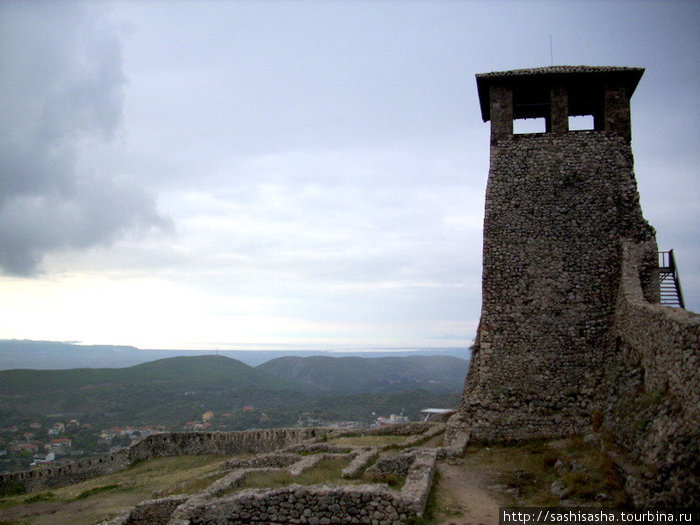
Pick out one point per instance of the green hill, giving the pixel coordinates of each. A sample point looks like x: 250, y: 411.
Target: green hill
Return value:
x: 353, y: 375
x: 189, y: 373
x: 167, y: 391
x: 175, y: 390
x: 56, y: 355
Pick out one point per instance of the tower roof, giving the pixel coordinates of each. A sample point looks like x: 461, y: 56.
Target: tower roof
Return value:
x: 593, y: 76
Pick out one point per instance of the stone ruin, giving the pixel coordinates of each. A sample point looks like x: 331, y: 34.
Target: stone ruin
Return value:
x: 572, y: 338
x: 293, y: 450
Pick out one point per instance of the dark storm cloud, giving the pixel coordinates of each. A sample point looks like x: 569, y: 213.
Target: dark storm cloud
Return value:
x: 61, y: 100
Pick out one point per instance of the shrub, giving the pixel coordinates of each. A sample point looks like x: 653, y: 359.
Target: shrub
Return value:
x: 96, y: 490
x: 42, y: 496
x: 12, y: 490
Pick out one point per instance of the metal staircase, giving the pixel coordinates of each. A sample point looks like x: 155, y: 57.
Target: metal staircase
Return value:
x: 671, y: 293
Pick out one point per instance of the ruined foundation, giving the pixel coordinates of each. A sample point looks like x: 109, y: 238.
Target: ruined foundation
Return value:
x: 293, y: 450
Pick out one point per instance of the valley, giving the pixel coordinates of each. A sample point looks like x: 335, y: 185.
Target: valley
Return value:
x: 62, y: 415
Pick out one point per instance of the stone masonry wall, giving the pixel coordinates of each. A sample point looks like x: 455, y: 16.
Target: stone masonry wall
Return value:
x: 373, y: 504
x: 399, y: 429
x: 557, y: 209
x: 362, y: 504
x: 653, y: 410
x: 315, y: 504
x: 219, y: 443
x: 398, y: 464
x: 365, y: 504
x: 59, y: 475
x: 156, y: 445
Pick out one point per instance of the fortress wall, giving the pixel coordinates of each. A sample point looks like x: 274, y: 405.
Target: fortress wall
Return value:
x: 219, y: 443
x: 654, y: 408
x: 57, y: 475
x: 557, y: 208
x: 398, y: 429
x: 157, y: 445
x: 664, y: 341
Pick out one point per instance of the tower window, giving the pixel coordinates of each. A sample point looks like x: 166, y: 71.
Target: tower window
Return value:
x: 529, y: 125
x: 581, y: 122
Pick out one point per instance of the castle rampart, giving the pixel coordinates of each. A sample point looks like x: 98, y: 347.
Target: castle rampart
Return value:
x: 653, y: 404
x: 157, y: 445
x: 59, y: 475
x: 218, y: 443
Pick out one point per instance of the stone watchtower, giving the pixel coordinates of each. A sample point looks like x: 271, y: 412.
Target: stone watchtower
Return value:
x: 559, y: 206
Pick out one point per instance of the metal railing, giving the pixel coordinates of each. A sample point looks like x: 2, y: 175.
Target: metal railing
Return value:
x: 670, y: 284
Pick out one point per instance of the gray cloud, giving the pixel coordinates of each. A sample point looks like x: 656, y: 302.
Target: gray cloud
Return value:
x: 61, y: 99
x: 325, y: 162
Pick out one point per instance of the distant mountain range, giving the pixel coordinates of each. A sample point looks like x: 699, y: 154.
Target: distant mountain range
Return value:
x: 53, y: 355
x: 173, y: 390
x: 355, y: 375
x: 208, y: 372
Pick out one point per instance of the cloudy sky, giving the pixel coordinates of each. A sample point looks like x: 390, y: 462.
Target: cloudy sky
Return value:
x: 293, y: 174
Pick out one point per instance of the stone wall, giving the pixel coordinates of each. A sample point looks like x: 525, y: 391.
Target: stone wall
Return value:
x: 398, y: 465
x: 57, y: 475
x: 222, y: 502
x: 314, y: 504
x: 157, y: 445
x: 272, y: 460
x: 557, y: 209
x: 153, y: 512
x: 362, y: 504
x: 363, y: 458
x: 653, y: 409
x: 398, y: 429
x: 219, y: 443
x: 365, y: 504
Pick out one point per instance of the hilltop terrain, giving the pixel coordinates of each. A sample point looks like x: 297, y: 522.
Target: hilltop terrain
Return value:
x: 83, y: 411
x: 466, y: 490
x: 352, y: 375
x: 57, y: 355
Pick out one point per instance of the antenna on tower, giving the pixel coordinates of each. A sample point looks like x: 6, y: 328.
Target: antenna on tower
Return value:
x: 551, y: 53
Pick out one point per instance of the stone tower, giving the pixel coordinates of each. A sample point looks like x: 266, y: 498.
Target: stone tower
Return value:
x: 559, y: 207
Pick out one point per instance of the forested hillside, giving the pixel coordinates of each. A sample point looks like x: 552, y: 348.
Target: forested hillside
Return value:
x: 85, y: 410
x: 353, y: 375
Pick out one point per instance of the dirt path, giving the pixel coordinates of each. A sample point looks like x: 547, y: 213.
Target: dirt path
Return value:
x: 461, y: 498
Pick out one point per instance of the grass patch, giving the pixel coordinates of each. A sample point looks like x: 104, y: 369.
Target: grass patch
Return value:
x: 95, y: 490
x: 41, y: 496
x: 393, y: 480
x: 100, y: 498
x: 524, y: 472
x: 435, y: 441
x: 12, y: 490
x: 370, y: 441
x: 325, y: 471
x: 192, y: 486
x: 592, y: 473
